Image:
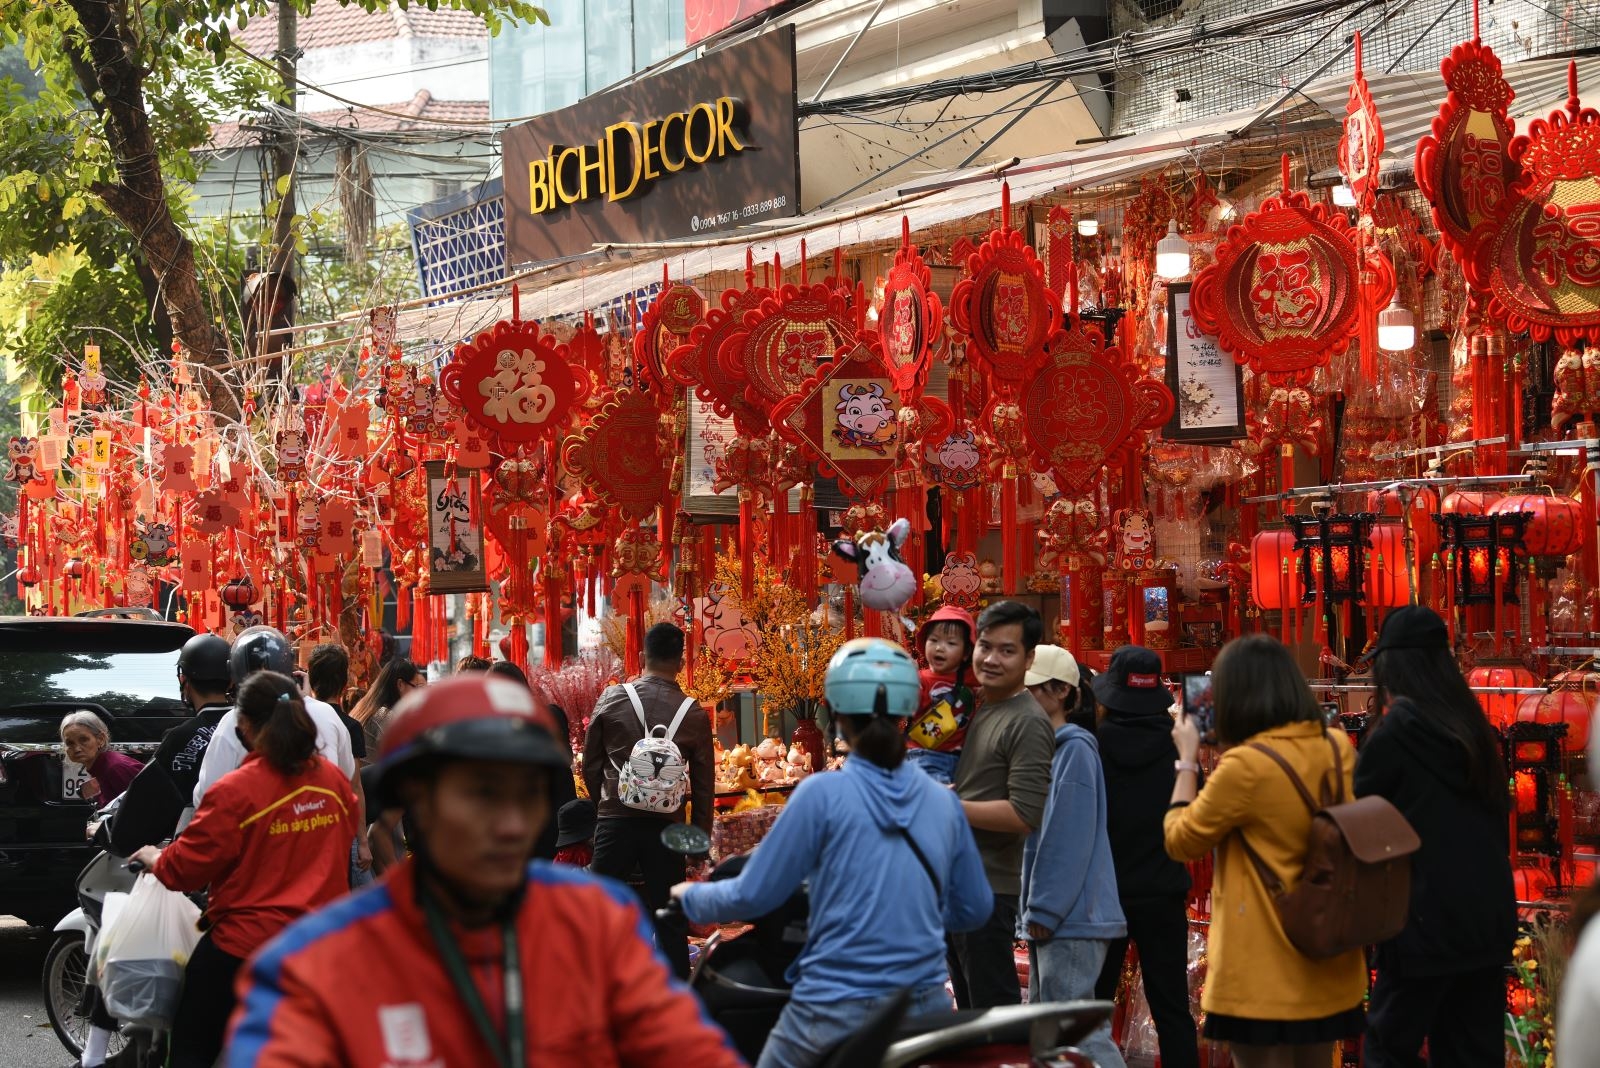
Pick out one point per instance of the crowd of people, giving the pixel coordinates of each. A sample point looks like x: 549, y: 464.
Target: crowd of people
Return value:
x: 997, y: 794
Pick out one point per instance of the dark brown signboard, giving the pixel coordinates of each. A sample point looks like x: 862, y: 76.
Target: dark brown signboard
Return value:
x: 703, y: 147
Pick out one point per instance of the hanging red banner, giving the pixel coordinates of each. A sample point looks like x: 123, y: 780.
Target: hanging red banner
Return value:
x: 1004, y: 306
x: 1361, y: 144
x: 911, y: 319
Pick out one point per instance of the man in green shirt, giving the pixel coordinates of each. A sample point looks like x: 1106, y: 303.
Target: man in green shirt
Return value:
x: 1003, y: 779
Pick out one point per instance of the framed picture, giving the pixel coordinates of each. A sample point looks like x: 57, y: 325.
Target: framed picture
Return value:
x: 1206, y: 383
x: 455, y: 531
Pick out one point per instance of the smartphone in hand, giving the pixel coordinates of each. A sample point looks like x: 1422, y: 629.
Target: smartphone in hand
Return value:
x: 1199, y: 706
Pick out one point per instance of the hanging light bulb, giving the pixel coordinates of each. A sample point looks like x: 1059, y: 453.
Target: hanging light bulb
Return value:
x: 1172, y: 253
x: 1397, y: 327
x: 1344, y: 196
x: 1088, y: 226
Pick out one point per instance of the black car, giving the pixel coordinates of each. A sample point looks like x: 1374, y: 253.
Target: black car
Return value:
x: 122, y: 670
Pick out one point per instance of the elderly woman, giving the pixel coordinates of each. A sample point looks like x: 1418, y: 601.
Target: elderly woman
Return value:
x: 89, y: 745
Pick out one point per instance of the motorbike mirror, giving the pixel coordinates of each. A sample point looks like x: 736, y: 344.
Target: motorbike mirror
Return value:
x: 686, y: 838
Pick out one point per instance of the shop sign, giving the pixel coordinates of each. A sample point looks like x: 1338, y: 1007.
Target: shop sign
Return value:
x: 702, y: 18
x: 1206, y: 383
x: 704, y: 147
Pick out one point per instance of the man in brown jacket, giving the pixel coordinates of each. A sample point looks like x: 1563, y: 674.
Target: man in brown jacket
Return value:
x: 628, y: 839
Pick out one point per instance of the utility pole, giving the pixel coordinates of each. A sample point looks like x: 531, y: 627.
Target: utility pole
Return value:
x: 269, y: 296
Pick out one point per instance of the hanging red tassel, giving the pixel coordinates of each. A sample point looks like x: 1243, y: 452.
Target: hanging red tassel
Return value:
x: 849, y: 613
x: 518, y: 645
x: 1008, y: 529
x: 552, y: 619
x: 633, y: 661
x: 747, y: 544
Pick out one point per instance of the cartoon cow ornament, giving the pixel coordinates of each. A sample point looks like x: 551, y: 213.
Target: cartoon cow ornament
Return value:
x: 886, y: 582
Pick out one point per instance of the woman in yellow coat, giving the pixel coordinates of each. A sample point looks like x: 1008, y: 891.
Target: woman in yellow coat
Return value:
x: 1274, y: 1006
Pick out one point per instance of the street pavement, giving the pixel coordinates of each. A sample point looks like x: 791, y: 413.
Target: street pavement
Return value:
x: 26, y: 1039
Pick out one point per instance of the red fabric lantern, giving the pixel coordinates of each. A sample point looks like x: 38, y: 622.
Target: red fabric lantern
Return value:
x: 1556, y: 528
x: 1501, y: 708
x: 1531, y: 883
x: 1469, y: 502
x: 1271, y: 557
x: 1560, y: 706
x: 1424, y: 505
x: 239, y: 594
x: 1388, y: 578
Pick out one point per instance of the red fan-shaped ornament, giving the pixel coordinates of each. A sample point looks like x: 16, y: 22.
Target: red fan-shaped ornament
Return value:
x: 1361, y: 144
x: 694, y: 364
x: 667, y: 324
x: 780, y: 347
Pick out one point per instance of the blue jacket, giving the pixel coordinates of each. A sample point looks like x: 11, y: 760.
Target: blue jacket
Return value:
x: 876, y: 925
x: 1069, y: 883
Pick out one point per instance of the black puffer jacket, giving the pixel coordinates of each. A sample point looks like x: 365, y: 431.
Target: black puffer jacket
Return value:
x: 1138, y: 753
x: 1463, y: 905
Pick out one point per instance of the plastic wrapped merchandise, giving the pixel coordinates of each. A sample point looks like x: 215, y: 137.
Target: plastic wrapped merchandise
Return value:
x: 143, y: 951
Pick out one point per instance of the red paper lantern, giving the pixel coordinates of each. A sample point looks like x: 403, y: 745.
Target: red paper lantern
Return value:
x: 1556, y: 528
x: 1388, y: 578
x: 1501, y: 708
x: 1271, y: 555
x: 1424, y: 505
x: 1469, y: 502
x: 28, y: 576
x: 73, y: 568
x: 239, y: 594
x: 1560, y: 706
x: 1530, y: 883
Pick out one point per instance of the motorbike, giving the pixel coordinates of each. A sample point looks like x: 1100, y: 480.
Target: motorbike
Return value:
x: 741, y: 982
x: 69, y: 989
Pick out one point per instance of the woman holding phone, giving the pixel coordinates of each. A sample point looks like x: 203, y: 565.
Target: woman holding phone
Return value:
x: 1274, y: 1006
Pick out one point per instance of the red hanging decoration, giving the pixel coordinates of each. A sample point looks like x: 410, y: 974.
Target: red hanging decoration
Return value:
x: 1464, y: 166
x: 912, y: 318
x: 780, y: 346
x: 1282, y: 295
x: 1004, y: 306
x: 1361, y: 144
x: 1085, y: 408
x: 667, y: 324
x: 618, y: 455
x: 1543, y: 266
x: 514, y: 381
x: 695, y: 365
x: 846, y: 416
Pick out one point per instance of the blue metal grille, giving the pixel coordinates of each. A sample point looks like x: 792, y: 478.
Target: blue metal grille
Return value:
x: 460, y: 240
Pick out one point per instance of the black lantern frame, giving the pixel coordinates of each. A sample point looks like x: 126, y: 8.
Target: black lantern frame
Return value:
x: 1479, y: 548
x: 1325, y: 542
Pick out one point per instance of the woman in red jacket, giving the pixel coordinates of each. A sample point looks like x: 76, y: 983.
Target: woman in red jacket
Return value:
x: 271, y: 840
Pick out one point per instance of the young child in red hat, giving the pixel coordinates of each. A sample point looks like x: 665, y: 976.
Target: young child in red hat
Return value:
x: 934, y: 737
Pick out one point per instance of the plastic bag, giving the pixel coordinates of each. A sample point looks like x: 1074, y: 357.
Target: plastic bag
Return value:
x: 141, y: 954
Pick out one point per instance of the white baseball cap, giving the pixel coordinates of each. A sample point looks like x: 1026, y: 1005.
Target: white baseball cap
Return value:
x: 1052, y: 662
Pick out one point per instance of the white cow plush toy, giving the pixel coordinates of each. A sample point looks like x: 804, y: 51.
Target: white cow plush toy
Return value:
x: 886, y: 582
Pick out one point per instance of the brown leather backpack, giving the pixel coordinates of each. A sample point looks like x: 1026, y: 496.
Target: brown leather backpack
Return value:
x: 1355, y: 887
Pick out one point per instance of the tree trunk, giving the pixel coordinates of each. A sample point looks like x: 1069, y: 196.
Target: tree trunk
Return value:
x: 138, y: 197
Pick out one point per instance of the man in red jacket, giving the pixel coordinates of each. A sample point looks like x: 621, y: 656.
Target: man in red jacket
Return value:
x: 469, y: 955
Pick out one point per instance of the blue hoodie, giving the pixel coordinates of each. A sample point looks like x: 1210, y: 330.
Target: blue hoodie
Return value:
x: 875, y: 924
x: 1069, y: 883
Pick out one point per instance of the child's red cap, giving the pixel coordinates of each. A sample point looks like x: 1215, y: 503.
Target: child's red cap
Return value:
x: 948, y: 613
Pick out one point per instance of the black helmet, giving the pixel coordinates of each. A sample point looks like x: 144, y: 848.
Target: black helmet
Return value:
x: 204, y: 661
x: 260, y: 649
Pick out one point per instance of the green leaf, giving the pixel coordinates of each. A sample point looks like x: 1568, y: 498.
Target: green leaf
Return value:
x: 282, y: 184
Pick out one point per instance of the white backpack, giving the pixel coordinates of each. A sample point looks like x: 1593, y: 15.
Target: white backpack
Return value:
x: 655, y: 777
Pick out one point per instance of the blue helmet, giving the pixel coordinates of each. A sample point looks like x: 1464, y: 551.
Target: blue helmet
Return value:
x: 872, y: 677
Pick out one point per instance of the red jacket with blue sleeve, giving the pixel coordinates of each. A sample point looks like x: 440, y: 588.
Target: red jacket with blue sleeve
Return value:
x: 595, y: 991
